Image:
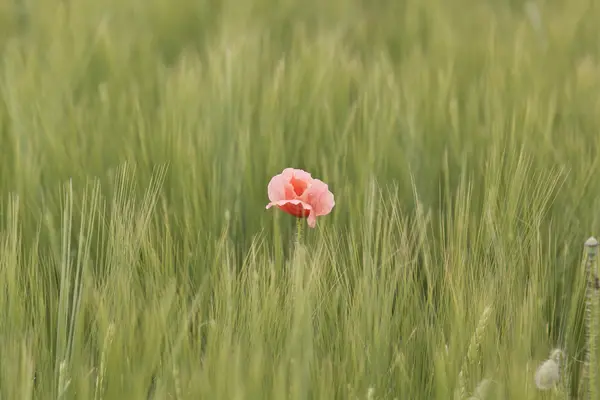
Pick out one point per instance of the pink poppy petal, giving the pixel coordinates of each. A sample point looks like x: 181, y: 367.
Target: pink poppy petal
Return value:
x: 279, y: 188
x: 288, y: 173
x: 302, y: 175
x: 312, y: 219
x: 297, y: 208
x: 319, y: 197
x: 325, y: 203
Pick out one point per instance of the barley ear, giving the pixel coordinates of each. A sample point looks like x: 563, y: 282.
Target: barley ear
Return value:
x: 591, y: 318
x: 472, y: 353
x: 102, y: 369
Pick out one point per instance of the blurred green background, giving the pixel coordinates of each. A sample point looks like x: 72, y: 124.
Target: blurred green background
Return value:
x: 229, y: 93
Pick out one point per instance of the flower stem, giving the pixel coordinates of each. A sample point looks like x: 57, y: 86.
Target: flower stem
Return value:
x: 299, y: 227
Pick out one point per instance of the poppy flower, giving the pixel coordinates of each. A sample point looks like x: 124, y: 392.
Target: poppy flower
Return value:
x: 297, y: 193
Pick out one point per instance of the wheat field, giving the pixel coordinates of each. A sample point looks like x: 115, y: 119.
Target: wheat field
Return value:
x: 137, y: 261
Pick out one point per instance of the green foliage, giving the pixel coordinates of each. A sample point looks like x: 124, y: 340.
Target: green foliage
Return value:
x: 137, y: 259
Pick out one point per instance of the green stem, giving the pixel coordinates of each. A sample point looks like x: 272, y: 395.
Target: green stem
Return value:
x: 299, y: 227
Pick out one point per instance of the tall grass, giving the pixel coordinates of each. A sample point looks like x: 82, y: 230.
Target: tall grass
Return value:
x: 137, y: 260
